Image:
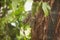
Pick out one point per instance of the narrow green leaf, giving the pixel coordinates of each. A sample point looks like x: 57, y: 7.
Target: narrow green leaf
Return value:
x: 45, y: 8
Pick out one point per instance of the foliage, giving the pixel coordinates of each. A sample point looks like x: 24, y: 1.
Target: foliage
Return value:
x: 46, y: 8
x: 44, y: 5
x: 11, y: 20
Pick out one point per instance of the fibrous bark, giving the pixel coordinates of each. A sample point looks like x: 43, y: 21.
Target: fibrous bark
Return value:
x: 47, y: 28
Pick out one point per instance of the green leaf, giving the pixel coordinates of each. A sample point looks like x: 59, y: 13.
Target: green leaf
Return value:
x: 46, y: 8
x: 34, y: 7
x: 39, y: 6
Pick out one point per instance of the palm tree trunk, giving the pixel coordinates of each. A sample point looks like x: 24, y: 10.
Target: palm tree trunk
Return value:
x: 47, y: 28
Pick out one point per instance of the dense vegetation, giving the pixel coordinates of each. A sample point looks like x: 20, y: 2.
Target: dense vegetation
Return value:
x: 12, y: 15
x: 13, y: 25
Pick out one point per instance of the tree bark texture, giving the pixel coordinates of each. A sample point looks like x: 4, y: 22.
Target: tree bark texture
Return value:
x: 47, y: 28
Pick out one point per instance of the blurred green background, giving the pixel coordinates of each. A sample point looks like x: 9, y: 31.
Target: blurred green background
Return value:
x: 12, y: 17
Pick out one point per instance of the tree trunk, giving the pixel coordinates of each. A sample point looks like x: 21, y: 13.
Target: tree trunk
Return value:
x: 47, y: 28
